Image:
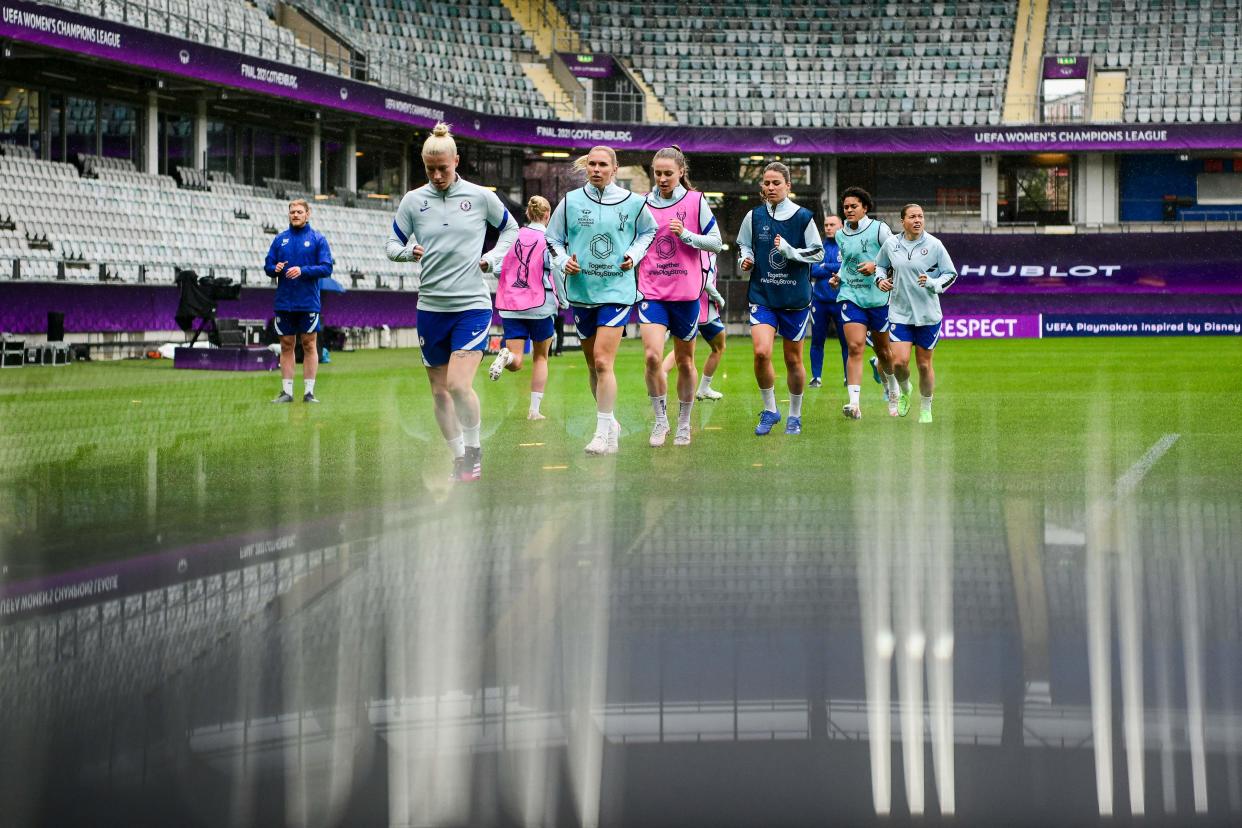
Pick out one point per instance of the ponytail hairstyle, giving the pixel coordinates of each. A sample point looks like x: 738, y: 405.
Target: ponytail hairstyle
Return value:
x: 777, y: 166
x: 580, y: 163
x: 440, y: 142
x: 674, y: 154
x: 538, y: 209
x: 906, y: 209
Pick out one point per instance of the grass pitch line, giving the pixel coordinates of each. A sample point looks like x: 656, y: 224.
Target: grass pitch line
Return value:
x: 1128, y: 482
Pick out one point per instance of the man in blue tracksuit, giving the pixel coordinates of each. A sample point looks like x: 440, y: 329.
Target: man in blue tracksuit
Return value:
x: 298, y: 258
x: 824, y: 302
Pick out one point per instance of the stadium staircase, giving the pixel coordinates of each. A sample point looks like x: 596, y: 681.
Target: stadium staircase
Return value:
x: 558, y: 97
x: 545, y: 26
x: 548, y: 29
x: 1108, y: 92
x: 1026, y: 63
x: 654, y: 111
x: 311, y: 32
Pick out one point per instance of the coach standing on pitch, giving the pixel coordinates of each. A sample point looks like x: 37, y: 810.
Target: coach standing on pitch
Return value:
x: 298, y: 258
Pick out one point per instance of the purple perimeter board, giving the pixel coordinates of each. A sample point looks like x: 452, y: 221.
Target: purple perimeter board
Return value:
x: 1183, y: 272
x: 24, y: 307
x: 58, y: 28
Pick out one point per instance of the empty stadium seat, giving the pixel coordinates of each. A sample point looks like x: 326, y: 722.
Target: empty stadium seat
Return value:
x: 126, y: 219
x: 822, y: 52
x: 1172, y: 52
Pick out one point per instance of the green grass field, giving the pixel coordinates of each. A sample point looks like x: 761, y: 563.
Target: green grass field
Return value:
x: 107, y: 460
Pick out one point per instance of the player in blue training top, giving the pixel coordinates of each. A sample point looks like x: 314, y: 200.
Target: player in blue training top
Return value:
x: 824, y: 302
x: 298, y: 258
x: 442, y: 225
x: 779, y: 241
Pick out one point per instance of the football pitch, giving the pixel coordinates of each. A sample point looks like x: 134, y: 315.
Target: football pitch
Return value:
x: 108, y: 460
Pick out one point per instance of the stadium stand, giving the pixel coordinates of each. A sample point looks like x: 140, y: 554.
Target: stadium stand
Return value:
x: 126, y: 219
x: 1181, y: 58
x: 463, y: 52
x: 793, y: 63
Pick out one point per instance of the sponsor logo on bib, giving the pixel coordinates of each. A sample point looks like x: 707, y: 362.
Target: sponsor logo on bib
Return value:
x: 601, y: 246
x: 665, y: 247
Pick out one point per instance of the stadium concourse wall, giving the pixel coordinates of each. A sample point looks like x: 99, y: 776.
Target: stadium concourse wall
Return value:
x: 64, y: 30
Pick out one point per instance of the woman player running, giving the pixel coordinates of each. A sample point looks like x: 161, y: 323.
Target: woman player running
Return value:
x: 779, y: 241
x: 671, y: 280
x: 916, y: 268
x: 528, y: 297
x: 442, y: 225
x: 862, y: 306
x: 602, y: 231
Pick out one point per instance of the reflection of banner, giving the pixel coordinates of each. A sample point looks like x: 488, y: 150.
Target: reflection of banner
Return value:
x: 1151, y: 324
x: 62, y: 29
x: 1066, y: 68
x: 1097, y: 263
x: 1020, y: 326
x: 597, y: 65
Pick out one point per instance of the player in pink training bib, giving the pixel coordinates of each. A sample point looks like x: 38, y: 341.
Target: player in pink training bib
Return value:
x: 671, y: 280
x: 528, y: 298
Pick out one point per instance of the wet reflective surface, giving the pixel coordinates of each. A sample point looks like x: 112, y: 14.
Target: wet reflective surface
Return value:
x: 725, y: 660
x: 217, y: 612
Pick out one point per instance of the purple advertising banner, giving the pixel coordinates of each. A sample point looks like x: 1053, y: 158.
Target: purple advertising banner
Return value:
x: 1149, y: 324
x: 57, y: 28
x: 1066, y: 68
x: 24, y: 307
x: 1129, y: 263
x: 1019, y: 326
x: 593, y: 65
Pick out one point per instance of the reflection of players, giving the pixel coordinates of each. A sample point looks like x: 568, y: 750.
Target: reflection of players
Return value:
x: 916, y: 268
x: 442, y: 224
x: 527, y: 302
x: 598, y: 233
x: 298, y: 258
x: 671, y: 282
x: 779, y: 294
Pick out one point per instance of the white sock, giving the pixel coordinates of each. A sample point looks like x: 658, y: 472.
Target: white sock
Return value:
x: 471, y: 434
x: 854, y: 390
x: 926, y: 403
x: 603, y: 424
x: 286, y: 385
x: 660, y: 406
x: 904, y: 385
x: 795, y: 405
x: 890, y: 382
x: 683, y: 412
x: 309, y: 385
x: 536, y: 397
x: 769, y: 398
x: 458, y: 446
x: 705, y: 382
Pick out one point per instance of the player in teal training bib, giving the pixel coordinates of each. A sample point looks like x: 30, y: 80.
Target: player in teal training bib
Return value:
x: 598, y: 234
x: 862, y: 306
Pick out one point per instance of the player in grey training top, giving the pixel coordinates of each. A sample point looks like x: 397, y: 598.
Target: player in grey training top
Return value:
x: 442, y: 226
x: 915, y: 269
